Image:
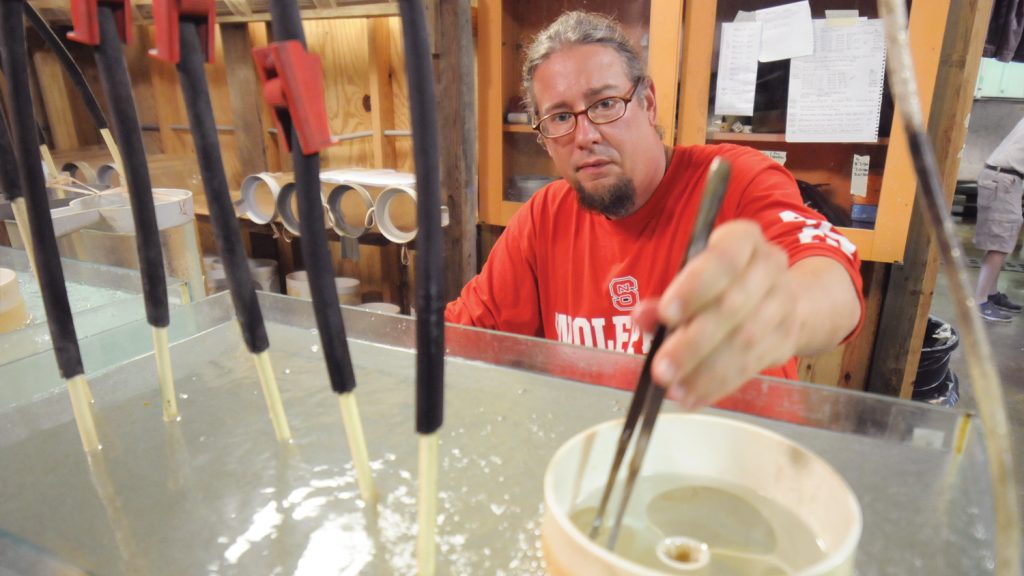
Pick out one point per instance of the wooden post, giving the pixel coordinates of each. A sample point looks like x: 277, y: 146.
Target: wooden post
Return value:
x: 382, y: 99
x: 54, y: 91
x: 457, y: 114
x: 246, y: 100
x: 432, y: 9
x: 909, y: 295
x: 138, y: 60
x: 392, y: 275
x: 38, y: 105
x: 695, y: 71
x: 167, y: 100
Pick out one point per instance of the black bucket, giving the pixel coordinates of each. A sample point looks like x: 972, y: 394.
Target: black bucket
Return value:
x: 935, y: 383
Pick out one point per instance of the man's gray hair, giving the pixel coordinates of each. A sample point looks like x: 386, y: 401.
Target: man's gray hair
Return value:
x: 578, y: 27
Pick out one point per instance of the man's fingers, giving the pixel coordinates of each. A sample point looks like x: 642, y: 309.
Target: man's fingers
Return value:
x: 645, y: 315
x: 764, y: 340
x: 690, y: 344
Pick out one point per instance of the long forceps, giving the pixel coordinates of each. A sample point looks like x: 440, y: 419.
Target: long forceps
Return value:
x: 646, y: 402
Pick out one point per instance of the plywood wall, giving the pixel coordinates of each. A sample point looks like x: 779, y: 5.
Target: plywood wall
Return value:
x: 365, y: 92
x: 348, y: 48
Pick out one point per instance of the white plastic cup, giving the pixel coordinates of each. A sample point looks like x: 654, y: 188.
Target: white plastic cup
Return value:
x: 386, y: 307
x: 297, y: 285
x: 13, y: 314
x: 264, y: 274
x: 216, y: 280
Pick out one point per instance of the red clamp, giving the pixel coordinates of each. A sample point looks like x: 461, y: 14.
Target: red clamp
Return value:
x: 86, y: 23
x: 293, y: 86
x: 167, y: 14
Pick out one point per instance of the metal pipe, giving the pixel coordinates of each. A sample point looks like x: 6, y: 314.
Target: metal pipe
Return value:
x: 47, y: 257
x: 984, y: 375
x: 118, y: 88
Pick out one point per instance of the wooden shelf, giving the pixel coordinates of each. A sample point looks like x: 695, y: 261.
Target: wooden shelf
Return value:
x: 518, y: 128
x: 778, y: 137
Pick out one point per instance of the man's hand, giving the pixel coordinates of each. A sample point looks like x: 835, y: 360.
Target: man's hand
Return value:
x: 738, y: 308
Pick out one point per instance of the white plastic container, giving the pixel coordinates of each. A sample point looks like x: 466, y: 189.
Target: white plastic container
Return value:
x: 386, y: 307
x: 13, y: 314
x: 349, y: 294
x: 696, y: 445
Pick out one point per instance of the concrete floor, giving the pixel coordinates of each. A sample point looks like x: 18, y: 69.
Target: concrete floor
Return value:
x: 1007, y: 345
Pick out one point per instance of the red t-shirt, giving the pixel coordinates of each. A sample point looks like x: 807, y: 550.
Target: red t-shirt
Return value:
x: 566, y: 273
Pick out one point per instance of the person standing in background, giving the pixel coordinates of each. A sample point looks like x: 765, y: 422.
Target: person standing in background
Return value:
x: 1000, y: 186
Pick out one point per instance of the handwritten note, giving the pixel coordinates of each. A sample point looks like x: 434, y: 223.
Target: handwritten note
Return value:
x: 737, y: 68
x: 835, y: 95
x: 777, y: 155
x: 859, y: 175
x: 787, y: 31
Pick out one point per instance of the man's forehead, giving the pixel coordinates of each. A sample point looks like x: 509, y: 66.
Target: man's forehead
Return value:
x: 578, y: 73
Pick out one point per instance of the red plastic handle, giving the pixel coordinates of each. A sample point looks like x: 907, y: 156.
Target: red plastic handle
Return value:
x: 167, y: 15
x: 293, y: 86
x: 86, y: 23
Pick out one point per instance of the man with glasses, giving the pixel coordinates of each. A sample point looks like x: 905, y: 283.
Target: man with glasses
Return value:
x: 592, y: 259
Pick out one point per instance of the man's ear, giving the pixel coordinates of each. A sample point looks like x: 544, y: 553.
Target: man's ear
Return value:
x: 650, y: 101
x: 543, y: 143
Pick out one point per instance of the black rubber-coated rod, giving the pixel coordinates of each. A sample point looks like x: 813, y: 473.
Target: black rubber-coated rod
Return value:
x: 68, y: 63
x: 286, y: 22
x: 321, y: 270
x: 287, y: 25
x: 10, y: 184
x: 128, y: 133
x: 196, y: 93
x: 430, y: 295
x: 33, y: 184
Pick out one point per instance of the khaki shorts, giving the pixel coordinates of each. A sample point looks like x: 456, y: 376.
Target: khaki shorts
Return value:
x: 999, y: 211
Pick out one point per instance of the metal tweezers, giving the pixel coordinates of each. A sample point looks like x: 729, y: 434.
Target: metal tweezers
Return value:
x: 647, y: 399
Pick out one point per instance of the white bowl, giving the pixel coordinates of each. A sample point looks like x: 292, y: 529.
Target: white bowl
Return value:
x: 13, y: 314
x: 695, y: 445
x: 297, y: 285
x: 385, y: 307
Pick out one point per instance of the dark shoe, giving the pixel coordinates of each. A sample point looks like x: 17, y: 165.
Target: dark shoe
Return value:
x: 989, y: 312
x: 1003, y: 302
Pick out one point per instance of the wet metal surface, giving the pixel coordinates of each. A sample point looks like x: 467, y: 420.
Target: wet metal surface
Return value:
x: 101, y: 297
x: 216, y: 494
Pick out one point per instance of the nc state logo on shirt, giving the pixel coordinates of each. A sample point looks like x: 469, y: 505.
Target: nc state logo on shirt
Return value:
x: 625, y: 293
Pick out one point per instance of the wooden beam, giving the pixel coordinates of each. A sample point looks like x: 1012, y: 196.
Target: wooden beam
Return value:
x: 695, y: 70
x: 490, y: 109
x: 393, y: 275
x: 909, y: 294
x: 382, y: 99
x: 278, y: 158
x: 241, y: 11
x: 38, y: 106
x: 138, y: 60
x: 432, y: 10
x: 663, y: 61
x: 246, y: 100
x: 54, y: 91
x: 457, y: 114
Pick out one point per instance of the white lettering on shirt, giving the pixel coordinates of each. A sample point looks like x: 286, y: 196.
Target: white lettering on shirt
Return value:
x: 816, y: 231
x: 581, y: 332
x: 622, y: 335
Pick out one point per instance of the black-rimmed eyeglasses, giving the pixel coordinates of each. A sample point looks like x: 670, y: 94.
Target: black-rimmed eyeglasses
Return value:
x: 605, y: 110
